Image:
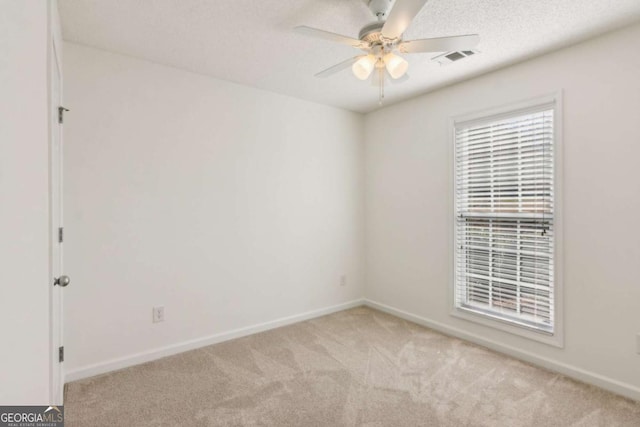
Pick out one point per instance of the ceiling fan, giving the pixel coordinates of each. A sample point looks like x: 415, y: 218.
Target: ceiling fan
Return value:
x: 382, y: 40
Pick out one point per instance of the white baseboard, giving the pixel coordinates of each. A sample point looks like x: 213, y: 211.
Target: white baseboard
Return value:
x: 158, y: 353
x: 615, y: 386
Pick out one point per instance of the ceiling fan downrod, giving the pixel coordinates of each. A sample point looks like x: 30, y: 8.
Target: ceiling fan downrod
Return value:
x: 379, y: 8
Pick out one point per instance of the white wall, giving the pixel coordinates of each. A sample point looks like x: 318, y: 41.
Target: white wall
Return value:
x: 232, y: 206
x: 409, y: 204
x: 228, y: 205
x: 24, y: 203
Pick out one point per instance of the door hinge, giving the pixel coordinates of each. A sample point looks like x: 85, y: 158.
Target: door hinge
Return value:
x: 61, y: 111
x: 61, y: 354
x: 60, y: 235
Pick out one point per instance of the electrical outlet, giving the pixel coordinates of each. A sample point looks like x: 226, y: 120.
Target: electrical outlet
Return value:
x: 158, y: 314
x: 343, y: 280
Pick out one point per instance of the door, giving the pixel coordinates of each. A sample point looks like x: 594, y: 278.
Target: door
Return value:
x: 58, y: 280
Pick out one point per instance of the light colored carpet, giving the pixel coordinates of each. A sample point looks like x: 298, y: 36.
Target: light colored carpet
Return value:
x: 359, y: 367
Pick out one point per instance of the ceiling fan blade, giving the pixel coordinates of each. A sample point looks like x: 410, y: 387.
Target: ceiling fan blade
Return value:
x: 440, y: 44
x: 400, y: 17
x: 338, y: 67
x: 326, y: 35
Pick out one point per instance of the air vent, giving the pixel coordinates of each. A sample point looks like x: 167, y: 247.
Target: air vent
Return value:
x: 449, y: 57
x: 454, y: 56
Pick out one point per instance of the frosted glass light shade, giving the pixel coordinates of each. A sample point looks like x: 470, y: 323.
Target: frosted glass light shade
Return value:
x: 396, y: 65
x: 363, y: 67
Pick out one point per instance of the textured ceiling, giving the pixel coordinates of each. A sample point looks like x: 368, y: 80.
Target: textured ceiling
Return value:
x: 251, y: 42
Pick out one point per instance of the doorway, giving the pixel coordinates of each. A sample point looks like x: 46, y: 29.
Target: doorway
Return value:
x: 58, y: 281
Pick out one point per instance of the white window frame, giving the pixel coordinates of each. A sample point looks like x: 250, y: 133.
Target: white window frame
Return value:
x: 556, y: 338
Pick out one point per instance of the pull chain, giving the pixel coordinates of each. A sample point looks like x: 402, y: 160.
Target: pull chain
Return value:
x: 381, y: 78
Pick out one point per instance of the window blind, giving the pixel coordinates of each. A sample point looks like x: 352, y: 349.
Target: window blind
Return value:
x: 504, y: 195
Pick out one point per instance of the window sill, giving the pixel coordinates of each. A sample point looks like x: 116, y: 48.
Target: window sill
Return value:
x: 553, y: 339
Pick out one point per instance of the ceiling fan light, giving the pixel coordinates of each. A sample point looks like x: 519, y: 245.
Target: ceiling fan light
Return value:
x: 363, y: 67
x: 396, y: 65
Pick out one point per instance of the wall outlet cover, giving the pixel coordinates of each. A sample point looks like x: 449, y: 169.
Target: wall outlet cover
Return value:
x: 158, y: 314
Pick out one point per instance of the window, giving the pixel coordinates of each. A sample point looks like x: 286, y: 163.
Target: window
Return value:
x: 505, y: 221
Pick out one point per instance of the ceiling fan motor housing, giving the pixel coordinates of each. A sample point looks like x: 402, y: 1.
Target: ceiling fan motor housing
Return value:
x: 371, y: 33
